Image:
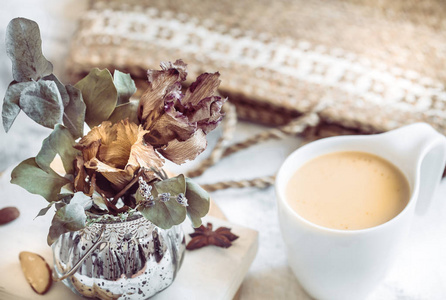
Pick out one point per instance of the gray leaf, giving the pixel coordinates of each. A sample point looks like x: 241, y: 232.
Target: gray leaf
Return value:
x: 198, y: 200
x: 83, y: 200
x: 59, y: 142
x: 29, y: 176
x: 174, y: 186
x: 99, y: 94
x: 62, y: 90
x: 165, y: 215
x: 44, y: 210
x: 70, y: 217
x: 11, y: 106
x: 42, y: 102
x: 124, y: 85
x: 24, y: 48
x: 124, y: 111
x: 170, y: 213
x: 74, y: 112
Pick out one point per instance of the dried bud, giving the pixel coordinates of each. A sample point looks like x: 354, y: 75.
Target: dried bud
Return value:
x: 164, y: 197
x: 182, y: 199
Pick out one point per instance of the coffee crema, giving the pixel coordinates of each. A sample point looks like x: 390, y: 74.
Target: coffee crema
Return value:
x: 348, y: 190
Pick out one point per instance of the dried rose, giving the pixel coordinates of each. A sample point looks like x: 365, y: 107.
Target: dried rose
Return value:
x: 178, y: 123
x: 117, y: 152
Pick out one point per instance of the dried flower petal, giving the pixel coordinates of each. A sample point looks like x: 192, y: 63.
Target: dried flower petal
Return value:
x: 160, y: 82
x: 177, y: 124
x: 179, y: 152
x: 118, y: 151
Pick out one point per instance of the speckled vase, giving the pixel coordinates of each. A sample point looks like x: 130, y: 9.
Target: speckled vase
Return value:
x: 132, y: 259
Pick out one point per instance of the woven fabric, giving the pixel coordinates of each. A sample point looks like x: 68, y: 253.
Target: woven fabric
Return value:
x: 380, y: 64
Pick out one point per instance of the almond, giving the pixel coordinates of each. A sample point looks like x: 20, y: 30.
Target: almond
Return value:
x: 8, y: 214
x: 36, y: 271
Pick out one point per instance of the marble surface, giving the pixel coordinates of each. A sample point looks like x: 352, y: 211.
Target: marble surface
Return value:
x: 418, y: 273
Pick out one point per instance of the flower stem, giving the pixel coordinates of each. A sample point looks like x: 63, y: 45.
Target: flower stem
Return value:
x: 125, y: 189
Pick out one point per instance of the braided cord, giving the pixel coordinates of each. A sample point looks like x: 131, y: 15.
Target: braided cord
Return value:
x: 295, y: 127
x: 261, y: 182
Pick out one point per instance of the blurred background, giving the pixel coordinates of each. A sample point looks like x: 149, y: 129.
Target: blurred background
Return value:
x: 378, y: 65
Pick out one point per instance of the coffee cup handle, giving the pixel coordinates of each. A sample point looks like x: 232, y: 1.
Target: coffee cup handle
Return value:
x: 430, y: 174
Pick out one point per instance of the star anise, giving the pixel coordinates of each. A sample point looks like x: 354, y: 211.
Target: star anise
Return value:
x: 204, y: 236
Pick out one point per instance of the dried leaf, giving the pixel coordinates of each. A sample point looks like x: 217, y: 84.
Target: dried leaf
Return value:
x: 62, y: 90
x: 24, y: 48
x: 124, y: 85
x: 44, y: 210
x: 125, y: 111
x: 80, y: 180
x: 99, y: 94
x: 165, y: 214
x: 198, y: 200
x: 174, y: 186
x: 11, y: 107
x: 59, y: 142
x: 83, y: 200
x: 74, y: 113
x: 170, y: 213
x: 99, y: 201
x: 42, y: 102
x: 29, y: 176
x: 70, y: 217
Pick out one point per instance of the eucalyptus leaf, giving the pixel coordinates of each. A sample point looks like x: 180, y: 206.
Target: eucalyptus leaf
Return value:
x: 62, y: 90
x: 11, y: 107
x: 124, y: 111
x: 43, y: 211
x: 99, y: 201
x: 174, y: 186
x: 124, y: 85
x: 99, y: 94
x: 70, y: 217
x: 42, y: 102
x: 170, y: 213
x: 24, y: 48
x: 198, y: 200
x: 61, y: 142
x: 164, y: 214
x: 74, y: 112
x: 29, y: 176
x: 83, y: 200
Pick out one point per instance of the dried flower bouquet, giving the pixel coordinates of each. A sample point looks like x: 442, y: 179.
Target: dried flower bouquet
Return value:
x: 116, y: 168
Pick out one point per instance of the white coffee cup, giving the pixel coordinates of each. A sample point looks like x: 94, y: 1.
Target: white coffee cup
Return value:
x: 349, y: 264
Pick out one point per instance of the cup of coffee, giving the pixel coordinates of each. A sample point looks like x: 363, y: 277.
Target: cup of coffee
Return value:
x: 345, y: 205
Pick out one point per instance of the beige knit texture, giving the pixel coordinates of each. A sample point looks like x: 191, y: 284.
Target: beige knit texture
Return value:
x: 381, y: 63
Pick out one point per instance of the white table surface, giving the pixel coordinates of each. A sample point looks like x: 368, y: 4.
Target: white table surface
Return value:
x: 418, y: 273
